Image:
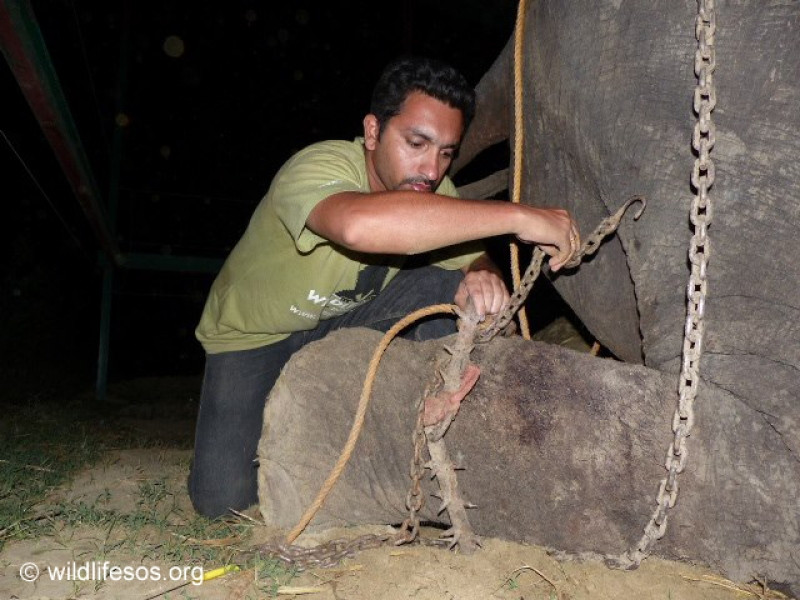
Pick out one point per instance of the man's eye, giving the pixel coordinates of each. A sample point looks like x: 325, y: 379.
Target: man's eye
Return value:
x: 414, y: 144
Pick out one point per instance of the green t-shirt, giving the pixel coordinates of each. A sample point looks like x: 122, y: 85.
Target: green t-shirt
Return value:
x: 281, y: 277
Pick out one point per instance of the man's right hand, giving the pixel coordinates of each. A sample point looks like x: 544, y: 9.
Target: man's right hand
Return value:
x: 554, y: 231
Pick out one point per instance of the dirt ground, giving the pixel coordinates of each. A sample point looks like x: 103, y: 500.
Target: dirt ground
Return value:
x: 501, y: 570
x: 141, y: 482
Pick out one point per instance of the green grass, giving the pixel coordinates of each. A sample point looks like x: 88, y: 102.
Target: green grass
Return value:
x: 42, y: 446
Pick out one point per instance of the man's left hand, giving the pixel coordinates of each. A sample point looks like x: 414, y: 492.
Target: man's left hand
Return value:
x: 487, y: 290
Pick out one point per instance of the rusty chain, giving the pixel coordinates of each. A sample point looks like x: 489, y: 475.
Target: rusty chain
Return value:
x: 322, y: 556
x: 415, y: 499
x: 606, y: 227
x: 703, y: 139
x: 409, y: 529
x: 331, y: 553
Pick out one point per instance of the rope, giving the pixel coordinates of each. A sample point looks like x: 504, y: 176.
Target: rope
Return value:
x: 519, y: 132
x: 361, y: 411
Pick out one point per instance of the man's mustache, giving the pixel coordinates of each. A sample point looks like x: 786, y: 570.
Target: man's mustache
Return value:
x: 417, y: 180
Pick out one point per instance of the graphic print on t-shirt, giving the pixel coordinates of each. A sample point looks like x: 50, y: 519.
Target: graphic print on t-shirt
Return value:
x: 369, y: 282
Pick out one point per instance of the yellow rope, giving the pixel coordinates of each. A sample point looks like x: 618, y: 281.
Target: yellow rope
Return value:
x: 518, y: 139
x: 361, y: 412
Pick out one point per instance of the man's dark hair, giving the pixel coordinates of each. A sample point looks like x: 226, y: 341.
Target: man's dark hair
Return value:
x: 429, y: 76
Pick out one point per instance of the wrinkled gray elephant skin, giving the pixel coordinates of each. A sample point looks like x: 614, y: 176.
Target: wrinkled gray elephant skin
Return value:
x: 561, y: 449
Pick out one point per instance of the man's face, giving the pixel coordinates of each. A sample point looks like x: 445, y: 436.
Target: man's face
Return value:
x: 416, y: 146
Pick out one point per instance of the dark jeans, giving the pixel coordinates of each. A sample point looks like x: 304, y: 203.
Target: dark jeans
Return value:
x: 236, y: 386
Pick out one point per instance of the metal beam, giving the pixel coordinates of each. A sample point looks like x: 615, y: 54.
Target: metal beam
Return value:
x: 104, y: 348
x: 23, y: 46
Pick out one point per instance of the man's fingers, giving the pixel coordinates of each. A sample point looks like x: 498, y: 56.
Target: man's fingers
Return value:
x: 500, y: 297
x: 486, y: 290
x: 492, y: 292
x: 563, y: 253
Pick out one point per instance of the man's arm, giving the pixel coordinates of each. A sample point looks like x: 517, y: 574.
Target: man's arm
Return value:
x: 400, y: 222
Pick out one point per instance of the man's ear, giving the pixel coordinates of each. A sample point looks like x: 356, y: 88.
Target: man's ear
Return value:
x: 372, y: 131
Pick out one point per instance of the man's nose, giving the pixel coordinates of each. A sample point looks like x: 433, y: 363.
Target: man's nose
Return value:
x: 430, y: 165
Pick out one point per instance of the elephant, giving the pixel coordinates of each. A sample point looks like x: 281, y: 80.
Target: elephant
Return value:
x: 607, y: 115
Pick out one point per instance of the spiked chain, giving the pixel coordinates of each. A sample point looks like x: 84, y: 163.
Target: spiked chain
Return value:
x: 447, y: 375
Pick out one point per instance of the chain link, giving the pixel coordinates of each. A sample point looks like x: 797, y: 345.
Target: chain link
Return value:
x: 322, y: 556
x: 330, y: 554
x: 606, y: 227
x: 415, y: 499
x: 703, y: 140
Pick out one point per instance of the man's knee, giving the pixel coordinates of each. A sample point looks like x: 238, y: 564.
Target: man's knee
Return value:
x: 206, y: 504
x: 229, y: 424
x: 214, y: 501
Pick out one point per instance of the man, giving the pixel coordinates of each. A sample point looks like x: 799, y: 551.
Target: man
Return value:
x: 326, y: 248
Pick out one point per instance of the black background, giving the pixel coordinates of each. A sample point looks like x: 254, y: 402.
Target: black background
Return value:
x: 204, y: 133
